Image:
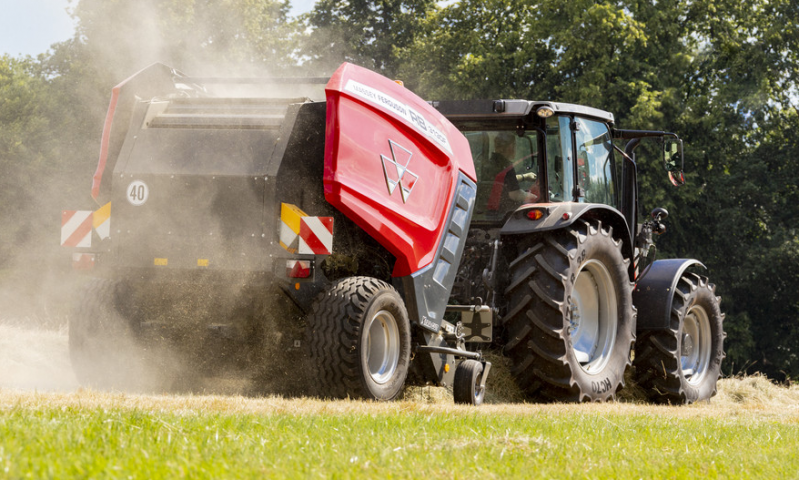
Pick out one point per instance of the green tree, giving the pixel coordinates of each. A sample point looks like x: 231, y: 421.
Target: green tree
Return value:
x: 25, y: 145
x: 477, y: 49
x: 364, y: 32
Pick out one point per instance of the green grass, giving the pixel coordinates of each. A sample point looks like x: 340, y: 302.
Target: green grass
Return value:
x: 91, y: 435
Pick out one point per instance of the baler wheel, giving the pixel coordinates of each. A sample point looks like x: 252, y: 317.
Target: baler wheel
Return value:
x: 359, y: 340
x: 570, y: 322
x: 681, y: 365
x: 467, y: 383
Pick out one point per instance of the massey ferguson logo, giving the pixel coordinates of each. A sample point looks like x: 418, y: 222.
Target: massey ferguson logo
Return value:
x: 396, y: 170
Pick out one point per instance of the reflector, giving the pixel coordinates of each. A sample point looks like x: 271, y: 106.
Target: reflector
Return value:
x: 535, y: 214
x: 298, y: 268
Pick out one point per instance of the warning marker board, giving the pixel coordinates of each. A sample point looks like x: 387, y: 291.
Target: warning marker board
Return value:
x: 76, y: 228
x: 300, y: 233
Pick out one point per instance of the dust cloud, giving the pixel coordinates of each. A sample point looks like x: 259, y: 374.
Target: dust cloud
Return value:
x: 35, y: 359
x: 38, y: 289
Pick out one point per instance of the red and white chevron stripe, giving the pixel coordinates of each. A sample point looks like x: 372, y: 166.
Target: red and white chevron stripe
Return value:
x: 76, y: 228
x: 316, y: 235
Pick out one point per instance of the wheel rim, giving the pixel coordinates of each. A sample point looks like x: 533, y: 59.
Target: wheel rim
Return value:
x: 476, y: 387
x: 382, y: 345
x: 593, y: 316
x: 695, y: 345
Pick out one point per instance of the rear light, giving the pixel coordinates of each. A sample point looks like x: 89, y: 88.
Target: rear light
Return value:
x: 535, y: 214
x: 82, y: 261
x: 298, y: 268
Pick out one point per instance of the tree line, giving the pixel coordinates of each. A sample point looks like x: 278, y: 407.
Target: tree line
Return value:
x: 721, y: 73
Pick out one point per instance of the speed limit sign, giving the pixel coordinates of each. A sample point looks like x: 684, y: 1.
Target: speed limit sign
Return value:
x: 137, y: 193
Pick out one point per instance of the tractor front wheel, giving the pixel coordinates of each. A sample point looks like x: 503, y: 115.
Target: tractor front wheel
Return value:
x: 681, y: 365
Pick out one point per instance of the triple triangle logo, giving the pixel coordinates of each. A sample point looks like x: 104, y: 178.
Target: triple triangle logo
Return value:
x: 396, y: 170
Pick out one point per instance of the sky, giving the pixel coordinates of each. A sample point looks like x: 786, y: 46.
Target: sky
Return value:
x: 29, y: 27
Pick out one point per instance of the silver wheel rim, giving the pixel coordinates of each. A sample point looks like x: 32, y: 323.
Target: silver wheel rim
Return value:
x: 382, y: 346
x: 695, y: 345
x: 477, y: 387
x: 593, y: 317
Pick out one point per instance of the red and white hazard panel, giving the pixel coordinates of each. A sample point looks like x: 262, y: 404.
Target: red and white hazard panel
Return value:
x: 300, y: 233
x: 316, y: 235
x: 76, y: 228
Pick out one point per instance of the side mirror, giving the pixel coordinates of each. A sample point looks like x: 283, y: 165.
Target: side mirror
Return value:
x: 673, y: 160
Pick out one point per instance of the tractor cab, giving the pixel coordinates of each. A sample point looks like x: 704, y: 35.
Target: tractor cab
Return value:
x: 537, y: 153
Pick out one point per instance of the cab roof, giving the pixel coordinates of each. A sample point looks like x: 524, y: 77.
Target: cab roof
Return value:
x: 456, y: 110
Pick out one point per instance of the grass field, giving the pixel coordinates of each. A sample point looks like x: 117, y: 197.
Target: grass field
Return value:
x: 49, y: 428
x: 749, y: 431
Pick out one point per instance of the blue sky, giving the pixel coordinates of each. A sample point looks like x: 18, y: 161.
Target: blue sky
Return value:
x: 29, y: 27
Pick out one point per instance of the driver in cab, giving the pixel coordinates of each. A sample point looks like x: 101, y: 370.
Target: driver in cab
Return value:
x: 506, y: 192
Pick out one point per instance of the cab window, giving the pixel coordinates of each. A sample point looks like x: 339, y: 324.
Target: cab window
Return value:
x: 507, y: 167
x: 559, y: 158
x: 595, y: 162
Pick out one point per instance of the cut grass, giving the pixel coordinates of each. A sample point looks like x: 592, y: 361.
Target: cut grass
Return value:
x: 749, y: 430
x: 90, y: 434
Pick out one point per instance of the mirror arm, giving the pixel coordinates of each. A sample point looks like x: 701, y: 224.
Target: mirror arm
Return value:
x: 631, y: 134
x: 630, y: 147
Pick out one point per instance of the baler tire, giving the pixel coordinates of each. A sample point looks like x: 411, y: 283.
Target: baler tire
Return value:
x: 345, y: 359
x: 101, y: 344
x: 466, y: 383
x: 663, y: 355
x: 570, y: 324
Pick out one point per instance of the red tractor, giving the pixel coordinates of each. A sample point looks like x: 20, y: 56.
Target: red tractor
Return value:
x: 352, y: 246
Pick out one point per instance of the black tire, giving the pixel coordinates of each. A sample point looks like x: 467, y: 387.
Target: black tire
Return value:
x: 101, y: 345
x: 466, y: 384
x: 345, y: 359
x: 554, y: 352
x: 681, y: 365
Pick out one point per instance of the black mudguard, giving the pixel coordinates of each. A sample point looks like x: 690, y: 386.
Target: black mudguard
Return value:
x: 652, y: 296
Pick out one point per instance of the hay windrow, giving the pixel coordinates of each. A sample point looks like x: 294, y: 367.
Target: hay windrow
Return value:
x: 784, y: 407
x: 35, y: 374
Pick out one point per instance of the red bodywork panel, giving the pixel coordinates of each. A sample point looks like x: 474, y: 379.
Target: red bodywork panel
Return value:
x: 391, y: 164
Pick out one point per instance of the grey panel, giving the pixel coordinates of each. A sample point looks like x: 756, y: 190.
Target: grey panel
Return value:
x: 427, y: 290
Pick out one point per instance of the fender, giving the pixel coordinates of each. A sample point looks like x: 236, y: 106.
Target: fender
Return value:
x: 652, y: 296
x: 563, y: 214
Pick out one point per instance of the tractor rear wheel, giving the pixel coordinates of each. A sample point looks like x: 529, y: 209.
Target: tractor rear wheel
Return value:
x: 681, y: 365
x: 570, y: 322
x: 359, y: 340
